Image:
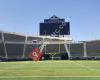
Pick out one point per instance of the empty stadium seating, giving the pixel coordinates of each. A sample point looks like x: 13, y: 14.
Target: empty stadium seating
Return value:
x: 51, y: 48
x: 76, y: 50
x: 14, y: 50
x: 93, y: 48
x: 14, y: 37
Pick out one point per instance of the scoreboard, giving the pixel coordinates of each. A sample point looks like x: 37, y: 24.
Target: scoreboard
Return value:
x: 50, y: 29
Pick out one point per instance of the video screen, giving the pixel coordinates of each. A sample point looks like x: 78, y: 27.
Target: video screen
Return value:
x: 55, y: 28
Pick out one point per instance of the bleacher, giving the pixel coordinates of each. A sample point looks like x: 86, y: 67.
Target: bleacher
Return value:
x: 10, y: 37
x: 14, y: 50
x: 93, y: 48
x: 76, y: 50
x: 54, y: 48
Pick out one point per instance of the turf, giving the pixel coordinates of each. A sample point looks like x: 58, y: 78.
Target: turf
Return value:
x: 50, y: 70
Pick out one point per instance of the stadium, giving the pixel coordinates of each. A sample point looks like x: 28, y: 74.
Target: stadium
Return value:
x: 54, y: 42
x: 61, y: 59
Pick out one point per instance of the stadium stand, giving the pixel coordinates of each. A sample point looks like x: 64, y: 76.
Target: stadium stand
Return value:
x: 10, y: 37
x: 51, y: 48
x: 14, y: 50
x: 93, y: 48
x: 17, y: 47
x: 76, y: 50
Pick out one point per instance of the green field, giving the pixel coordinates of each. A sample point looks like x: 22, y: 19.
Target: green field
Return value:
x: 50, y: 70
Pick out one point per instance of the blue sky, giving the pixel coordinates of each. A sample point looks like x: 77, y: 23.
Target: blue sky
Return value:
x: 24, y: 16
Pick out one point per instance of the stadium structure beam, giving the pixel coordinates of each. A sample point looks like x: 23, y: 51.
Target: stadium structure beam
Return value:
x: 42, y: 46
x: 24, y: 48
x: 85, y: 50
x: 68, y: 50
x: 5, y: 49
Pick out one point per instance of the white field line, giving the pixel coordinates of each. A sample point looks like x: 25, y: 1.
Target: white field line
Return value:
x: 46, y: 76
x: 84, y: 66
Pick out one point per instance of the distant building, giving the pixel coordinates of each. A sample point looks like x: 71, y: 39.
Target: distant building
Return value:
x: 54, y: 26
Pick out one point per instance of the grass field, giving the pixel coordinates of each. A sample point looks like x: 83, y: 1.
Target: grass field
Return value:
x: 50, y: 70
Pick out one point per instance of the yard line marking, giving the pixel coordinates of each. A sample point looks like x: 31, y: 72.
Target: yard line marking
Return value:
x: 86, y: 67
x: 45, y: 76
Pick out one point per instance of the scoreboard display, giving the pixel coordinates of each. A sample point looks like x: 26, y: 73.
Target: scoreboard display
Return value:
x: 50, y: 29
